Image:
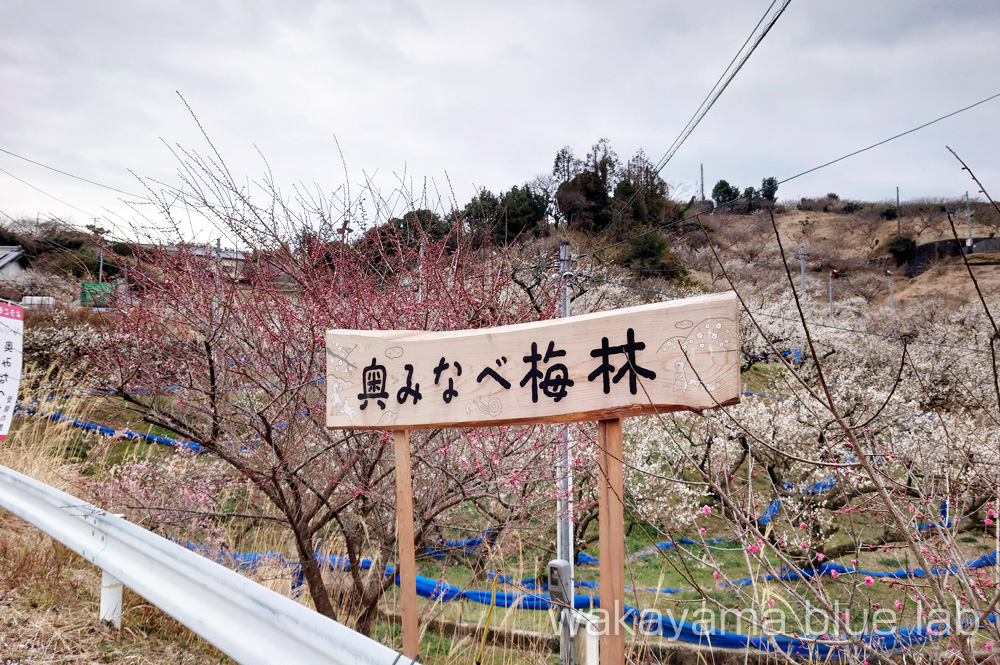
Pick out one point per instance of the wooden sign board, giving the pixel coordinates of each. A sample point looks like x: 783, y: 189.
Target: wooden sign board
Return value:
x: 652, y: 358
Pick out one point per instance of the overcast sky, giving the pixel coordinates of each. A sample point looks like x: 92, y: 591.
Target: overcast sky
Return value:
x: 485, y: 93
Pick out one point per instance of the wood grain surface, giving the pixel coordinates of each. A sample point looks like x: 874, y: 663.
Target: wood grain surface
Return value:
x: 667, y: 356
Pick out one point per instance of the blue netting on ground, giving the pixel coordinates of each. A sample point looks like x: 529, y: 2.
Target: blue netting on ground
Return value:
x: 813, y: 646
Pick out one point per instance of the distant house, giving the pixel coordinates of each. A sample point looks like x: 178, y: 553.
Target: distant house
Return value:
x: 38, y: 302
x: 11, y: 262
x: 232, y: 262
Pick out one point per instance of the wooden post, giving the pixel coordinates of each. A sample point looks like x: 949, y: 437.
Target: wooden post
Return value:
x: 611, y: 547
x: 674, y: 355
x: 404, y: 539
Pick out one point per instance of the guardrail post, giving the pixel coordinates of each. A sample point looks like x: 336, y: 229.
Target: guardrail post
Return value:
x: 246, y: 621
x: 111, y: 600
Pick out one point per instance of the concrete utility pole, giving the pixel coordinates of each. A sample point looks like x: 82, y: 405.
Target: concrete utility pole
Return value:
x: 802, y: 268
x: 702, y: 182
x: 218, y: 280
x: 420, y: 274
x: 833, y: 274
x: 892, y: 292
x: 899, y: 220
x: 968, y: 216
x: 100, y: 267
x: 564, y: 471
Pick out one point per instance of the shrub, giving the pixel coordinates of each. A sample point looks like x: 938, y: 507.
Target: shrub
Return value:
x: 692, y: 226
x: 122, y: 249
x: 902, y: 248
x: 650, y: 256
x: 888, y: 213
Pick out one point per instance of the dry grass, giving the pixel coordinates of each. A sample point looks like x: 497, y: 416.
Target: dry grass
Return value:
x: 48, y: 611
x: 48, y: 595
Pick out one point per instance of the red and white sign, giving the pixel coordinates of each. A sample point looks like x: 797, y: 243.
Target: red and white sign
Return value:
x: 11, y: 348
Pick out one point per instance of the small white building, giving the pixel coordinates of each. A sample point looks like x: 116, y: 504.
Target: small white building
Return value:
x: 10, y: 262
x: 38, y: 302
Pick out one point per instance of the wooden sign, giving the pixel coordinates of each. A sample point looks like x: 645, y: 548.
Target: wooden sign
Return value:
x: 653, y: 358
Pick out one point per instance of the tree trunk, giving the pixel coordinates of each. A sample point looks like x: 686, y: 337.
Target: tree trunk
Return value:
x: 313, y: 575
x: 369, y: 611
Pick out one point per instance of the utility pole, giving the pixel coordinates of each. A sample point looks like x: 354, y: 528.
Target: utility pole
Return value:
x: 802, y: 268
x: 968, y: 216
x: 564, y: 505
x: 892, y: 292
x: 702, y: 182
x: 100, y: 268
x: 218, y: 280
x: 420, y: 274
x: 833, y: 273
x: 899, y: 220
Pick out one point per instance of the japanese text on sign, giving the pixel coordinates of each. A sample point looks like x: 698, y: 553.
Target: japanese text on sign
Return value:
x: 661, y: 357
x: 11, y: 339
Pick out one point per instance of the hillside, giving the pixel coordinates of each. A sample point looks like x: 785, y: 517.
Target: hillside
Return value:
x: 852, y: 245
x: 802, y: 504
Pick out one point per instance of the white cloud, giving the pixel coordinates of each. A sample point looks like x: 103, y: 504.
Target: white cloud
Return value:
x: 488, y: 92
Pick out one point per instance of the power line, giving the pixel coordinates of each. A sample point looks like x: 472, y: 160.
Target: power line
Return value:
x: 66, y: 173
x: 727, y: 76
x: 724, y: 80
x: 42, y: 191
x: 660, y: 227
x: 60, y: 246
x: 629, y: 286
x: 107, y: 262
x: 891, y: 138
x: 114, y: 226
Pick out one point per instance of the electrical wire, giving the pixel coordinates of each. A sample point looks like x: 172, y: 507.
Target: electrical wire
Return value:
x: 660, y: 227
x: 42, y: 191
x: 713, y: 95
x: 64, y: 247
x: 66, y: 173
x: 891, y: 138
x: 724, y: 80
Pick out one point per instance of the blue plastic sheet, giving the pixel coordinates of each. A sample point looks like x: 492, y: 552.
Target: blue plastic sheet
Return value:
x: 815, y: 646
x: 104, y: 430
x: 467, y: 547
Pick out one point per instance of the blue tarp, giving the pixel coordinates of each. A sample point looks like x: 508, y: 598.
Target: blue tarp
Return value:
x: 806, y: 646
x: 821, y: 646
x: 468, y: 547
x: 104, y: 430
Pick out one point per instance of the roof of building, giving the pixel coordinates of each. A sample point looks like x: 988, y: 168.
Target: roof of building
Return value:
x: 211, y: 252
x: 199, y: 250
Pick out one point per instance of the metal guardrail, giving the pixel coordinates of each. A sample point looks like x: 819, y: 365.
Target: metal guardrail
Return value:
x: 241, y: 618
